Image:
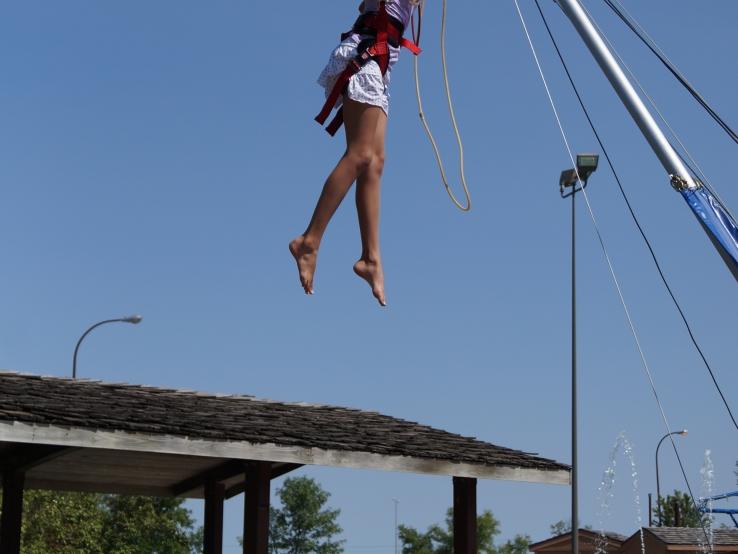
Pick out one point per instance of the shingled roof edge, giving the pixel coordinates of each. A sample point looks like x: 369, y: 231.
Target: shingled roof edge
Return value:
x: 76, y: 437
x: 333, y: 436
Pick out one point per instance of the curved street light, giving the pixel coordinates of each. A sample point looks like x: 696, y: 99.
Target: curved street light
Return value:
x: 134, y: 319
x: 658, y: 489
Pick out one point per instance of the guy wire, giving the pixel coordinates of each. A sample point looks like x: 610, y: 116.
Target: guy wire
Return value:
x: 604, y: 248
x: 627, y: 201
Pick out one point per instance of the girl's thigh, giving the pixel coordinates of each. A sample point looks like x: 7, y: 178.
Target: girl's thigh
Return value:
x: 365, y: 126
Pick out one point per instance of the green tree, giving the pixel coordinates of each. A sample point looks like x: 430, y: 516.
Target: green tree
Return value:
x: 415, y: 542
x: 678, y: 508
x: 303, y: 524
x: 83, y: 523
x: 437, y: 540
x: 61, y: 522
x: 138, y: 524
x: 563, y: 526
x: 519, y: 545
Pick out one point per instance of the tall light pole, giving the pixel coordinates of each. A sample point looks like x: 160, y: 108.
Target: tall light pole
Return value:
x: 576, y: 180
x: 658, y: 488
x: 134, y: 319
x: 397, y: 502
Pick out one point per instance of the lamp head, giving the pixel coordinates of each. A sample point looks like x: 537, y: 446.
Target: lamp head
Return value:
x: 568, y: 178
x: 682, y: 432
x: 135, y: 319
x: 587, y: 164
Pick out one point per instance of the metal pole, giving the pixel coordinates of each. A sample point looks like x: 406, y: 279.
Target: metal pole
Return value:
x: 643, y: 118
x: 396, y: 504
x: 76, y: 348
x: 658, y: 488
x: 134, y: 319
x: 574, y: 457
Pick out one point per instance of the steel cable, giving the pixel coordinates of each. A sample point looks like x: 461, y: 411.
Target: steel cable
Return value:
x: 627, y: 200
x: 600, y: 238
x: 651, y: 44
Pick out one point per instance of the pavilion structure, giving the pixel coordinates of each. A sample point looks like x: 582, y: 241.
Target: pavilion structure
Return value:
x: 72, y: 435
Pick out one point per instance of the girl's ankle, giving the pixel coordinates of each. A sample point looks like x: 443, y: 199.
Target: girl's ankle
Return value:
x: 310, y: 242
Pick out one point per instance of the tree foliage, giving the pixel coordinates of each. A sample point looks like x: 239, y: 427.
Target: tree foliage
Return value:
x: 437, y: 540
x: 519, y: 545
x: 303, y: 524
x: 137, y: 524
x: 61, y: 522
x: 563, y: 526
x: 678, y: 510
x: 84, y: 523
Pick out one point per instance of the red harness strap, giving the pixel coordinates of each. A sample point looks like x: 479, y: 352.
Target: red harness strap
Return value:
x: 385, y: 33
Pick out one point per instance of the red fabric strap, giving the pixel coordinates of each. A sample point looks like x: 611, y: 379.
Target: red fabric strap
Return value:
x: 337, y: 90
x: 336, y: 123
x: 410, y: 45
x: 379, y: 51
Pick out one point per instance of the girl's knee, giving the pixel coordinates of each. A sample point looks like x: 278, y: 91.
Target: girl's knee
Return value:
x: 362, y: 158
x: 378, y: 161
x: 376, y: 165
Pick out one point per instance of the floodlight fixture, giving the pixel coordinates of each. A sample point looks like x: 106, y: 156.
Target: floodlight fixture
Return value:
x: 568, y: 178
x: 586, y: 165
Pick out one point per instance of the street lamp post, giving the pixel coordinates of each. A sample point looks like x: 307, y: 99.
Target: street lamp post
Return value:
x: 134, y: 319
x: 397, y: 502
x: 572, y: 181
x: 658, y: 488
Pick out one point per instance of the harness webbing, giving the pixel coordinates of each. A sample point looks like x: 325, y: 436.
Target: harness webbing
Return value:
x: 384, y: 32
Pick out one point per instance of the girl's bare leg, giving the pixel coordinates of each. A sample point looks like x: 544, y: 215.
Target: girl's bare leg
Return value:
x: 361, y: 121
x: 368, y: 189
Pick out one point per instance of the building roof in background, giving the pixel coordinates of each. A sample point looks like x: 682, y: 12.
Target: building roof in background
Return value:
x: 693, y: 535
x: 587, y: 536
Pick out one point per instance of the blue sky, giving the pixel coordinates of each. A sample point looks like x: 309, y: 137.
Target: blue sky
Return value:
x: 157, y: 157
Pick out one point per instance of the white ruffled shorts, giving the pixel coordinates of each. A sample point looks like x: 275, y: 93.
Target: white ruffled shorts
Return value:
x: 368, y: 86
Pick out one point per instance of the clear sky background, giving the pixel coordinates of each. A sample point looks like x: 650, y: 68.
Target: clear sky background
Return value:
x: 156, y: 157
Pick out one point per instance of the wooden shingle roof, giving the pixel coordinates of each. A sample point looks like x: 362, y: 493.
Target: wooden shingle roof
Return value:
x: 126, y: 418
x: 693, y: 535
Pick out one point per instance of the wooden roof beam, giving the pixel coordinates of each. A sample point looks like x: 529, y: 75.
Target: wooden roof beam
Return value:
x: 222, y: 472
x: 277, y: 471
x: 24, y: 457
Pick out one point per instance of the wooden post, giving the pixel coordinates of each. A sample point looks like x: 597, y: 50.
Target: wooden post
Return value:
x: 256, y: 512
x: 465, y: 515
x: 213, y: 533
x: 10, y: 527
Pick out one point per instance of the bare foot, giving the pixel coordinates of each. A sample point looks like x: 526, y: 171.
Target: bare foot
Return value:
x: 371, y: 272
x: 306, y: 257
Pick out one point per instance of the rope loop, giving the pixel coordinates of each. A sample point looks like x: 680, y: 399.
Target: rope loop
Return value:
x: 424, y: 120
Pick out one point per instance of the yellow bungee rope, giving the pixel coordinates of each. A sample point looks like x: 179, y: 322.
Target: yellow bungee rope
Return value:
x: 424, y: 120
